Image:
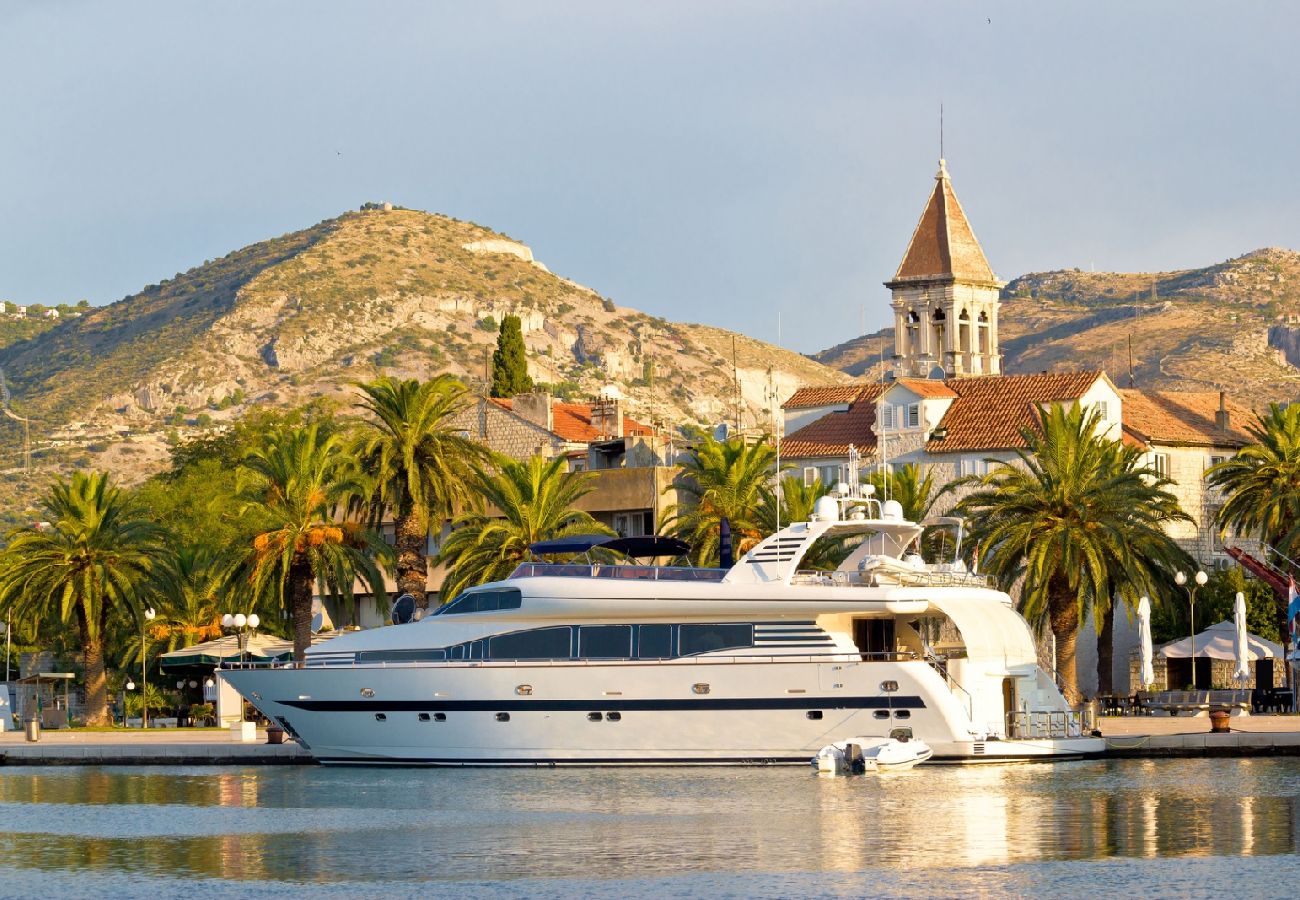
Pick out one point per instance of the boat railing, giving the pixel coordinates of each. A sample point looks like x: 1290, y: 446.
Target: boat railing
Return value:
x: 917, y: 578
x: 1037, y: 724
x: 617, y: 570
x: 345, y: 661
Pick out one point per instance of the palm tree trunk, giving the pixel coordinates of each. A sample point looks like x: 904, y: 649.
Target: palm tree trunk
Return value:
x: 92, y: 650
x: 1106, y: 651
x: 412, y: 534
x: 301, y: 586
x: 1063, y: 608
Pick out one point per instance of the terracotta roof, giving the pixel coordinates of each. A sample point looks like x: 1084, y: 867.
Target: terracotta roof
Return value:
x: 990, y: 410
x: 832, y: 433
x: 572, y: 422
x: 823, y: 395
x: 1184, y: 417
x: 943, y: 245
x: 927, y: 387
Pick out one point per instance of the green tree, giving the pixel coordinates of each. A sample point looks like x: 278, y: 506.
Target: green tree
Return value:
x: 91, y: 564
x: 911, y: 485
x: 536, y: 502
x: 798, y: 501
x: 1079, y: 519
x: 509, y: 361
x: 722, y: 479
x: 417, y: 463
x: 298, y: 480
x: 1261, y: 488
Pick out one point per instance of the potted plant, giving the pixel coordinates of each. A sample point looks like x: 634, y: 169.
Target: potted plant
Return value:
x: 203, y: 714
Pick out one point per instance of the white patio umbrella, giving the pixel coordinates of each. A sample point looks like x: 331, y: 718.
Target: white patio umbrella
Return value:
x: 1218, y: 642
x: 1242, y: 673
x: 1147, y: 672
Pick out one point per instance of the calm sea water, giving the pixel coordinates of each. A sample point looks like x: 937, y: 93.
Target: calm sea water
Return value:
x: 1154, y: 828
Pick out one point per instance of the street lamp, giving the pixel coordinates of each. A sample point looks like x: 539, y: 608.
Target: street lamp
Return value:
x: 241, y: 624
x: 149, y: 615
x: 129, y: 686
x: 1181, y: 580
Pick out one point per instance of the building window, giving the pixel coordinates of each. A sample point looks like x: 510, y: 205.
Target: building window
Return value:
x: 1160, y: 463
x: 1103, y: 410
x: 1216, y: 460
x: 914, y: 415
x: 972, y: 465
x: 830, y: 475
x: 809, y: 476
x: 886, y: 417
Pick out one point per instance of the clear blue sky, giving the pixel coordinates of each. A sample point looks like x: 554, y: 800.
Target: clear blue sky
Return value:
x: 715, y: 162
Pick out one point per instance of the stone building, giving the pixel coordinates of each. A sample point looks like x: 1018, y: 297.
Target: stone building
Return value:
x: 945, y: 404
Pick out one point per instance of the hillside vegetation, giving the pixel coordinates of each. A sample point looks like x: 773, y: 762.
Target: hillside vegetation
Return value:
x: 1233, y: 326
x: 302, y: 316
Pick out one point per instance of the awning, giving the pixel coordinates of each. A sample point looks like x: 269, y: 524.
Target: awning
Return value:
x: 260, y: 648
x: 1216, y: 642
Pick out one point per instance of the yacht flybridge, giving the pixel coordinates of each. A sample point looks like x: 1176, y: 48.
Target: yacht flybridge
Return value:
x: 597, y: 662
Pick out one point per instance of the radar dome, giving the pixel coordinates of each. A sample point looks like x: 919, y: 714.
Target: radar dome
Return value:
x: 891, y: 509
x: 826, y: 509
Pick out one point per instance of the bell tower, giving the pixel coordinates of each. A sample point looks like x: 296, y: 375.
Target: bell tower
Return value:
x: 945, y: 296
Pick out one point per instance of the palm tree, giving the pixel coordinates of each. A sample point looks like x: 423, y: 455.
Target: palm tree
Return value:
x: 535, y: 500
x: 300, y: 479
x: 1078, y: 518
x: 797, y: 505
x: 1261, y: 486
x: 912, y: 485
x: 722, y: 479
x: 417, y: 460
x: 91, y: 564
x: 189, y: 589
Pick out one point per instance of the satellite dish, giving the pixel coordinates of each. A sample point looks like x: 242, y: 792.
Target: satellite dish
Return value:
x: 317, y: 620
x: 720, y: 433
x: 403, y: 609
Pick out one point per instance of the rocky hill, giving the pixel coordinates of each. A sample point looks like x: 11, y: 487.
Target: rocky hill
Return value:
x: 378, y: 290
x: 1233, y: 326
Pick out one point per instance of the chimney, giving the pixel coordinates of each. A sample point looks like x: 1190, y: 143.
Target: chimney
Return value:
x: 607, y: 417
x: 536, y: 408
x: 1221, y: 417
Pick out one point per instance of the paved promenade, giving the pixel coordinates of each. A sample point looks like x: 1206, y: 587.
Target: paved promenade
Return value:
x: 165, y: 746
x: 1265, y: 735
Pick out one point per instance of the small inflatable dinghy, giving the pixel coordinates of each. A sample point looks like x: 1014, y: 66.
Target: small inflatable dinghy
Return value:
x: 871, y: 754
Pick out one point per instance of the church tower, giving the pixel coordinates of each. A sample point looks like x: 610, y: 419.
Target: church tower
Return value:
x: 945, y: 296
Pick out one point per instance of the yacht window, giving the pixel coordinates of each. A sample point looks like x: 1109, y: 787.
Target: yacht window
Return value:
x: 484, y: 601
x: 654, y: 642
x: 541, y: 643
x: 605, y: 641
x: 439, y: 717
x: 424, y: 717
x: 814, y: 713
x: 476, y: 650
x: 593, y: 717
x: 372, y: 656
x: 881, y: 714
x: 902, y: 714
x: 693, y: 639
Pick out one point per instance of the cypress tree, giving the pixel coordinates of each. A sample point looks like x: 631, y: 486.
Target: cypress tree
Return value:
x: 509, y: 364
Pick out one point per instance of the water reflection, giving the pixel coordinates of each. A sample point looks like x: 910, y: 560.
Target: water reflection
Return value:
x: 333, y: 826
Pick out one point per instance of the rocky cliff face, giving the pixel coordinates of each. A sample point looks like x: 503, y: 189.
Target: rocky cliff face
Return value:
x: 381, y: 290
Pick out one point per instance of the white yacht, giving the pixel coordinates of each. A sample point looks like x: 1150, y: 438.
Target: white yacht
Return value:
x: 604, y: 663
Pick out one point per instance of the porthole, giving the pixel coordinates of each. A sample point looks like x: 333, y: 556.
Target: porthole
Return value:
x: 503, y: 717
x: 439, y: 717
x: 613, y: 717
x: 424, y: 717
x: 814, y: 713
x: 881, y: 714
x: 593, y: 717
x: 902, y: 714
x: 380, y: 717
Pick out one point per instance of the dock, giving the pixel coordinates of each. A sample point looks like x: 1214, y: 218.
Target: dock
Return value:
x: 1134, y: 737
x: 154, y: 747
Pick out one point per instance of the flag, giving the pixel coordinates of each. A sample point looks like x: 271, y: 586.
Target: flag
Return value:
x: 1292, y: 608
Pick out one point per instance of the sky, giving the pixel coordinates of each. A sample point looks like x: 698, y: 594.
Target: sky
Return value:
x: 754, y: 165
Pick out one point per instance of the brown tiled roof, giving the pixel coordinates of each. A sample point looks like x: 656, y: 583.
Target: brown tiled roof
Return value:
x: 990, y: 410
x: 572, y: 422
x: 927, y: 387
x: 832, y: 433
x: 822, y: 395
x: 1184, y: 417
x: 943, y: 245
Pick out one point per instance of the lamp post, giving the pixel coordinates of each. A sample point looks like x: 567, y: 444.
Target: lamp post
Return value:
x: 1199, y: 580
x: 241, y: 624
x: 149, y: 615
x: 5, y: 626
x: 129, y: 686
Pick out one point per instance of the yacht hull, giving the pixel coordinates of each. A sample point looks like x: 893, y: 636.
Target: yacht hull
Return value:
x: 620, y: 713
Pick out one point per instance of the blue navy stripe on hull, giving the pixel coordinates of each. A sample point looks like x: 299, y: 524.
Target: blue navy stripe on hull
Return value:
x: 711, y: 704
